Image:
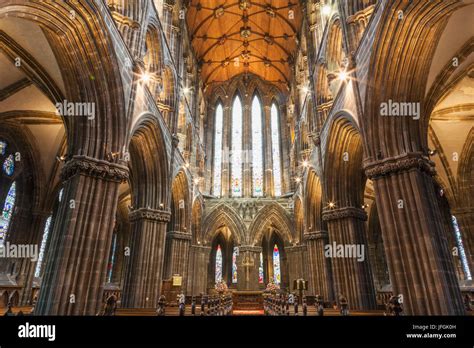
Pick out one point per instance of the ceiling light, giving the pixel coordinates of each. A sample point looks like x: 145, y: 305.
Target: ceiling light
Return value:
x: 326, y: 10
x: 342, y: 75
x: 305, y: 89
x: 331, y: 204
x: 186, y: 91
x: 305, y: 163
x: 145, y: 77
x: 298, y: 180
x: 196, y: 181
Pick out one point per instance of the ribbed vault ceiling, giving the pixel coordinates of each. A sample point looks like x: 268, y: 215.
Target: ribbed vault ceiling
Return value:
x: 238, y: 36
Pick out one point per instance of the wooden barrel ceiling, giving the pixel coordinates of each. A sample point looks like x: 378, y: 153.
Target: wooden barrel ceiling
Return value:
x: 240, y: 36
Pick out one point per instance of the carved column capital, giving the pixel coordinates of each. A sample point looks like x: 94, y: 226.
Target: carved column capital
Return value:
x: 343, y: 213
x: 393, y: 165
x: 315, y: 235
x: 84, y: 165
x: 149, y: 214
x: 179, y: 235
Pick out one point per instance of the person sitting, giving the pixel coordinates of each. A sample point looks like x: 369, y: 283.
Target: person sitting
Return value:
x: 181, y: 304
x: 343, y: 305
x: 110, y: 306
x: 467, y: 302
x: 161, y: 306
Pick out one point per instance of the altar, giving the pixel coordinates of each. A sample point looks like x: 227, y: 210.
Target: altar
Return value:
x: 247, y: 300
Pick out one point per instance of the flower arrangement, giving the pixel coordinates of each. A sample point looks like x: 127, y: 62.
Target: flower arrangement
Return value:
x: 272, y: 287
x: 221, y: 286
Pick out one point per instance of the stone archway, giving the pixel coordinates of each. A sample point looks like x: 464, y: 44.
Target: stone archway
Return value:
x: 149, y: 214
x: 343, y: 213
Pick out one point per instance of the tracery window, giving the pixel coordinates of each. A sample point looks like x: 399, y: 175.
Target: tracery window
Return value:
x: 110, y: 266
x: 218, y: 150
x: 257, y: 148
x: 7, y: 212
x: 276, y: 150
x: 3, y: 147
x: 276, y: 265
x: 236, y: 155
x: 260, y: 269
x: 460, y: 245
x: 39, y: 263
x: 9, y: 165
x: 234, y: 265
x: 218, y: 274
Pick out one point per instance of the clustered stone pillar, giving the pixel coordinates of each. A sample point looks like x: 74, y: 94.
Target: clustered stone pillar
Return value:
x: 295, y: 255
x: 75, y: 273
x: 248, y: 262
x: 177, y: 254
x: 198, y: 269
x: 352, y: 276
x: 320, y: 279
x: 418, y: 256
x: 147, y: 249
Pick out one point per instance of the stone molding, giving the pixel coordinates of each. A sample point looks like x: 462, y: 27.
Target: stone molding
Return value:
x: 249, y: 248
x: 150, y: 214
x: 179, y: 235
x: 310, y: 235
x: 394, y: 165
x: 295, y: 248
x: 100, y: 169
x: 343, y: 213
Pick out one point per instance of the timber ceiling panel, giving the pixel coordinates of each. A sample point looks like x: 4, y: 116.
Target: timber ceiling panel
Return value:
x: 237, y: 36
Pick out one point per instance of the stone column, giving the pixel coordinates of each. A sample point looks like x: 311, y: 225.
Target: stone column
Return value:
x: 352, y: 275
x: 198, y: 269
x: 75, y: 273
x: 295, y: 256
x: 268, y: 154
x: 320, y: 276
x: 147, y: 250
x: 248, y: 262
x: 418, y: 256
x: 177, y: 254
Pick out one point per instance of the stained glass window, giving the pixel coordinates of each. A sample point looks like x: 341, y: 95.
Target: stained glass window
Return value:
x: 218, y: 264
x: 260, y: 269
x: 3, y: 147
x: 236, y: 156
x: 276, y: 150
x: 7, y: 212
x: 39, y: 263
x: 111, y: 264
x: 9, y: 165
x: 276, y: 265
x: 234, y: 265
x: 218, y: 150
x: 257, y: 148
x: 462, y: 253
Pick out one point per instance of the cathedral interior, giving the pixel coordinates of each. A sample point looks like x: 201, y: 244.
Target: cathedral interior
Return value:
x: 252, y: 147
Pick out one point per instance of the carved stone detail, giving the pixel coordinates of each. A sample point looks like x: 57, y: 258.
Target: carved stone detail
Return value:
x: 389, y: 166
x: 343, y: 213
x: 179, y: 235
x: 315, y: 235
x: 150, y: 214
x: 84, y: 165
